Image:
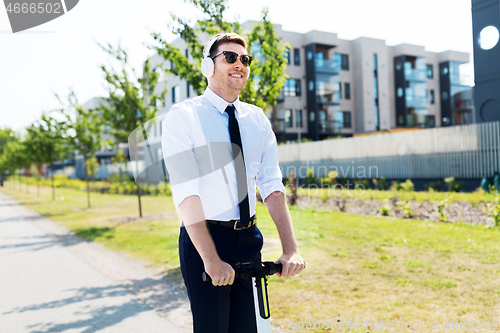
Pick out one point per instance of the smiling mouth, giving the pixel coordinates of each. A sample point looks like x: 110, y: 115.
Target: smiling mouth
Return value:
x: 239, y: 76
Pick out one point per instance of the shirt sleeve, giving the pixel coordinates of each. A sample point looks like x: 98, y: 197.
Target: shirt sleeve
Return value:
x: 178, y: 153
x: 269, y: 177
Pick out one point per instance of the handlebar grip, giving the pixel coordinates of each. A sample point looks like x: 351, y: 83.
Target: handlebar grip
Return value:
x: 205, y: 277
x: 270, y: 268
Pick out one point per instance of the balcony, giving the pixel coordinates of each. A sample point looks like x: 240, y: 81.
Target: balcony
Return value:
x: 461, y: 104
x: 281, y: 97
x: 327, y: 126
x: 413, y: 74
x: 460, y: 80
x: 278, y: 125
x: 328, y: 97
x: 417, y: 102
x: 327, y: 66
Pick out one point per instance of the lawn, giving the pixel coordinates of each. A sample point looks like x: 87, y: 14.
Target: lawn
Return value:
x: 358, y: 267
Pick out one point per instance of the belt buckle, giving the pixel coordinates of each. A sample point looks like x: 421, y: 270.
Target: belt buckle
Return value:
x: 235, y: 225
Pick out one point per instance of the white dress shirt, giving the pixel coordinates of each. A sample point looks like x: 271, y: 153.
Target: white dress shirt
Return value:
x: 197, y: 150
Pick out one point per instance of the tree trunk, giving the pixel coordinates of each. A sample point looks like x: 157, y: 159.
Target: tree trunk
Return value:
x: 52, y: 180
x: 38, y: 185
x: 27, y: 185
x: 88, y: 185
x: 138, y: 188
x: 139, y: 197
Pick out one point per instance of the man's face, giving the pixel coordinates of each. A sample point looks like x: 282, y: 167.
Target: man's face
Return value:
x: 229, y: 77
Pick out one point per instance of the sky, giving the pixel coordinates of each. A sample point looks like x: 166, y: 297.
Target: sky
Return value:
x: 63, y: 54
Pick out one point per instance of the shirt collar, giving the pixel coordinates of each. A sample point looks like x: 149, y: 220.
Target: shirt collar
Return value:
x: 219, y: 103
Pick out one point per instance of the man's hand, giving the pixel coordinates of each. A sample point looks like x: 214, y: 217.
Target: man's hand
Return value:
x: 293, y: 264
x: 220, y: 272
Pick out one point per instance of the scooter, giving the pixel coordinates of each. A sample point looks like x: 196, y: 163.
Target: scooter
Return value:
x: 258, y: 274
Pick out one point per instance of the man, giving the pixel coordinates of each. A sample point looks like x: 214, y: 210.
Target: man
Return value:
x: 213, y: 185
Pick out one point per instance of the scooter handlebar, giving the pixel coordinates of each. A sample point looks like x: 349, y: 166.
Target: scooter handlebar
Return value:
x: 246, y: 270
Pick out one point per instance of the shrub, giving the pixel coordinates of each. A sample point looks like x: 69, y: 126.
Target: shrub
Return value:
x: 406, y: 209
x: 435, y: 186
x: 385, y: 210
x: 395, y: 186
x: 310, y: 179
x: 331, y: 178
x: 381, y: 183
x: 365, y: 183
x: 495, y: 211
x: 453, y: 185
x: 407, y: 186
x: 441, y: 207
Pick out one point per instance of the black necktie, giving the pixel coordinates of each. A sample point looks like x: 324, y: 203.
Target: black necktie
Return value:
x: 241, y: 176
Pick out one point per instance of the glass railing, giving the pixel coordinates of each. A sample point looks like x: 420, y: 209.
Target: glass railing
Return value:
x: 327, y: 126
x: 328, y: 97
x: 281, y: 96
x: 462, y: 104
x: 327, y: 66
x: 417, y: 102
x: 460, y: 80
x: 413, y: 74
x: 278, y: 125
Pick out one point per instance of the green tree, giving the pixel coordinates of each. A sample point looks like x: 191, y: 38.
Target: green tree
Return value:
x: 85, y: 126
x: 15, y: 157
x: 267, y: 74
x: 91, y: 168
x: 7, y: 136
x: 132, y: 101
x: 119, y: 159
x: 47, y: 144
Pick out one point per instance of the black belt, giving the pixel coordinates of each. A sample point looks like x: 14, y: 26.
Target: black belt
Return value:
x: 235, y: 224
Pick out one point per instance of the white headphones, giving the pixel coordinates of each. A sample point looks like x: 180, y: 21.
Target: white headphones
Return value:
x: 207, y: 63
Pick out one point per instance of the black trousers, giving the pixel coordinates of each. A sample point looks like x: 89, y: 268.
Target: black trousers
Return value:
x: 227, y: 309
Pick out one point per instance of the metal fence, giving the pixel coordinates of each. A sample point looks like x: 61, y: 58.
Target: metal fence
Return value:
x: 467, y: 152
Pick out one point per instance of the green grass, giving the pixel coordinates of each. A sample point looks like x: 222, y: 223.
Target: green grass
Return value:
x: 357, y: 266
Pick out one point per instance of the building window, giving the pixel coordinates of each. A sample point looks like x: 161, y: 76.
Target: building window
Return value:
x: 292, y: 87
x: 176, y: 94
x: 400, y: 92
x: 288, y: 118
x: 430, y: 71
x: 187, y: 89
x: 347, y: 119
x: 432, y: 96
x: 172, y: 64
x: 375, y: 88
x: 342, y: 60
x: 430, y: 121
x: 444, y: 95
x: 159, y: 103
x: 187, y: 53
x: 347, y: 90
x: 287, y: 56
x: 343, y: 119
x: 296, y: 57
x: 299, y: 119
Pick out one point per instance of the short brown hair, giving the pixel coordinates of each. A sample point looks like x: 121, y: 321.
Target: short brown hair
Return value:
x: 230, y: 37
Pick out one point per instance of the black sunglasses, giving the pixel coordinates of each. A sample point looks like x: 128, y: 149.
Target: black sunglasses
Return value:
x: 231, y: 58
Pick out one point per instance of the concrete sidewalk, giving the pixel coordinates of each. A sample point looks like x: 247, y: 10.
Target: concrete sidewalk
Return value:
x: 45, y: 287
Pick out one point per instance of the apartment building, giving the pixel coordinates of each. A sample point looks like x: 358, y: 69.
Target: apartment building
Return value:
x: 342, y: 87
